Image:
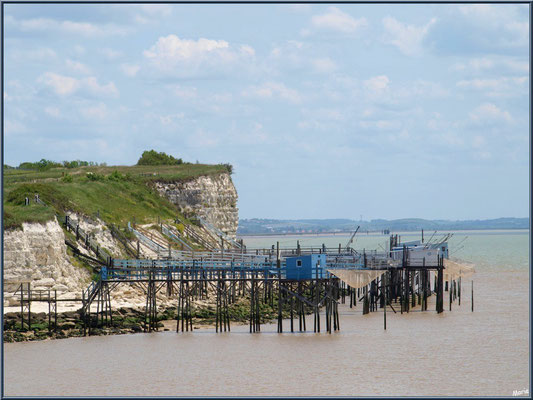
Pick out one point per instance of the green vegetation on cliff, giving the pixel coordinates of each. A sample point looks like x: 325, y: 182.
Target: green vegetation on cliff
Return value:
x: 117, y: 193
x: 152, y: 157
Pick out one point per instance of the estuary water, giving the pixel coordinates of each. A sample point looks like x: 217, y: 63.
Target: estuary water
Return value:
x: 463, y: 353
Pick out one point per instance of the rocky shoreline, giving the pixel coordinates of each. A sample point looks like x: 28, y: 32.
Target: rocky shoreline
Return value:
x: 126, y: 320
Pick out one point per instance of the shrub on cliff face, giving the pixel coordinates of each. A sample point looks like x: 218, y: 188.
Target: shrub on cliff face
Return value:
x: 152, y: 157
x: 116, y: 176
x: 229, y: 168
x: 66, y: 178
x: 93, y: 176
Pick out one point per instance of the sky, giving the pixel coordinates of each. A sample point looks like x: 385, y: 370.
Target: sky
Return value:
x: 325, y: 111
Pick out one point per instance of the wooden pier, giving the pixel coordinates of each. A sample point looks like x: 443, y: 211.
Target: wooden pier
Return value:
x: 376, y: 280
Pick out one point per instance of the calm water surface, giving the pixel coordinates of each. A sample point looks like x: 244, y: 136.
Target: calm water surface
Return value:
x: 421, y: 353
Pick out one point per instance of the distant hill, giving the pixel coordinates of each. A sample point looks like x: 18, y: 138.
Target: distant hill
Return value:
x: 257, y: 225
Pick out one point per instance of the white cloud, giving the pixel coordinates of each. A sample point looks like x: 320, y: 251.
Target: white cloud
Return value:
x: 497, y: 87
x: 77, y: 66
x: 170, y: 119
x: 289, y: 55
x: 173, y: 49
x: 270, y: 90
x: 130, y: 69
x: 39, y: 54
x: 185, y: 56
x: 149, y: 13
x: 377, y: 84
x: 324, y: 65
x: 61, y: 85
x: 94, y: 87
x: 336, y: 20
x: 483, y: 29
x: 491, y: 83
x: 476, y: 65
x: 48, y: 25
x: 489, y: 113
x: 67, y: 85
x: 407, y: 38
x: 249, y: 50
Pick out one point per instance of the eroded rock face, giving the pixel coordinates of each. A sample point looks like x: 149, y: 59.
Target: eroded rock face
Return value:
x: 213, y: 198
x: 38, y: 254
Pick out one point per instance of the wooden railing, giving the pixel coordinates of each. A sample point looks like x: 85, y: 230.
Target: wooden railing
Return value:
x: 86, y: 238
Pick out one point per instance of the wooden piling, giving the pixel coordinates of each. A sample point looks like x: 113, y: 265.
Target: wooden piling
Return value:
x: 384, y: 293
x: 440, y: 290
x: 292, y: 313
x: 451, y: 295
x: 459, y: 290
x: 472, y: 295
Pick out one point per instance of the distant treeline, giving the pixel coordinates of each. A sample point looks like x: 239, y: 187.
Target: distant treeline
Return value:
x: 45, y: 165
x: 149, y: 157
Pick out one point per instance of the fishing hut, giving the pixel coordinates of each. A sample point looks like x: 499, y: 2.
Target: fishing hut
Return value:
x: 312, y: 266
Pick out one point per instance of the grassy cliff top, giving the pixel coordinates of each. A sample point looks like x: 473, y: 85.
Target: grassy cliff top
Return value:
x: 182, y: 172
x: 117, y: 193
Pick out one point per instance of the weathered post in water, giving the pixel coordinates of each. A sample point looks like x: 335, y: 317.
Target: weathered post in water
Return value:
x: 459, y: 287
x: 451, y: 296
x: 472, y: 295
x: 440, y: 290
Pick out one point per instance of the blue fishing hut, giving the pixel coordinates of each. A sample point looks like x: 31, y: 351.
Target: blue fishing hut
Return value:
x: 312, y: 266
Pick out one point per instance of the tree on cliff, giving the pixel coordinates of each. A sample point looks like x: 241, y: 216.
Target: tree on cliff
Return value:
x: 152, y: 157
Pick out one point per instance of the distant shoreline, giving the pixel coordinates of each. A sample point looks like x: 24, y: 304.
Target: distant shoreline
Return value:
x: 374, y: 233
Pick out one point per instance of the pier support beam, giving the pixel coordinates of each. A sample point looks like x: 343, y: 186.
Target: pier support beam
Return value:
x: 440, y: 290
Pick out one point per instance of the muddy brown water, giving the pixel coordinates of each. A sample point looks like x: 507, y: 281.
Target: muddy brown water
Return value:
x: 421, y: 353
